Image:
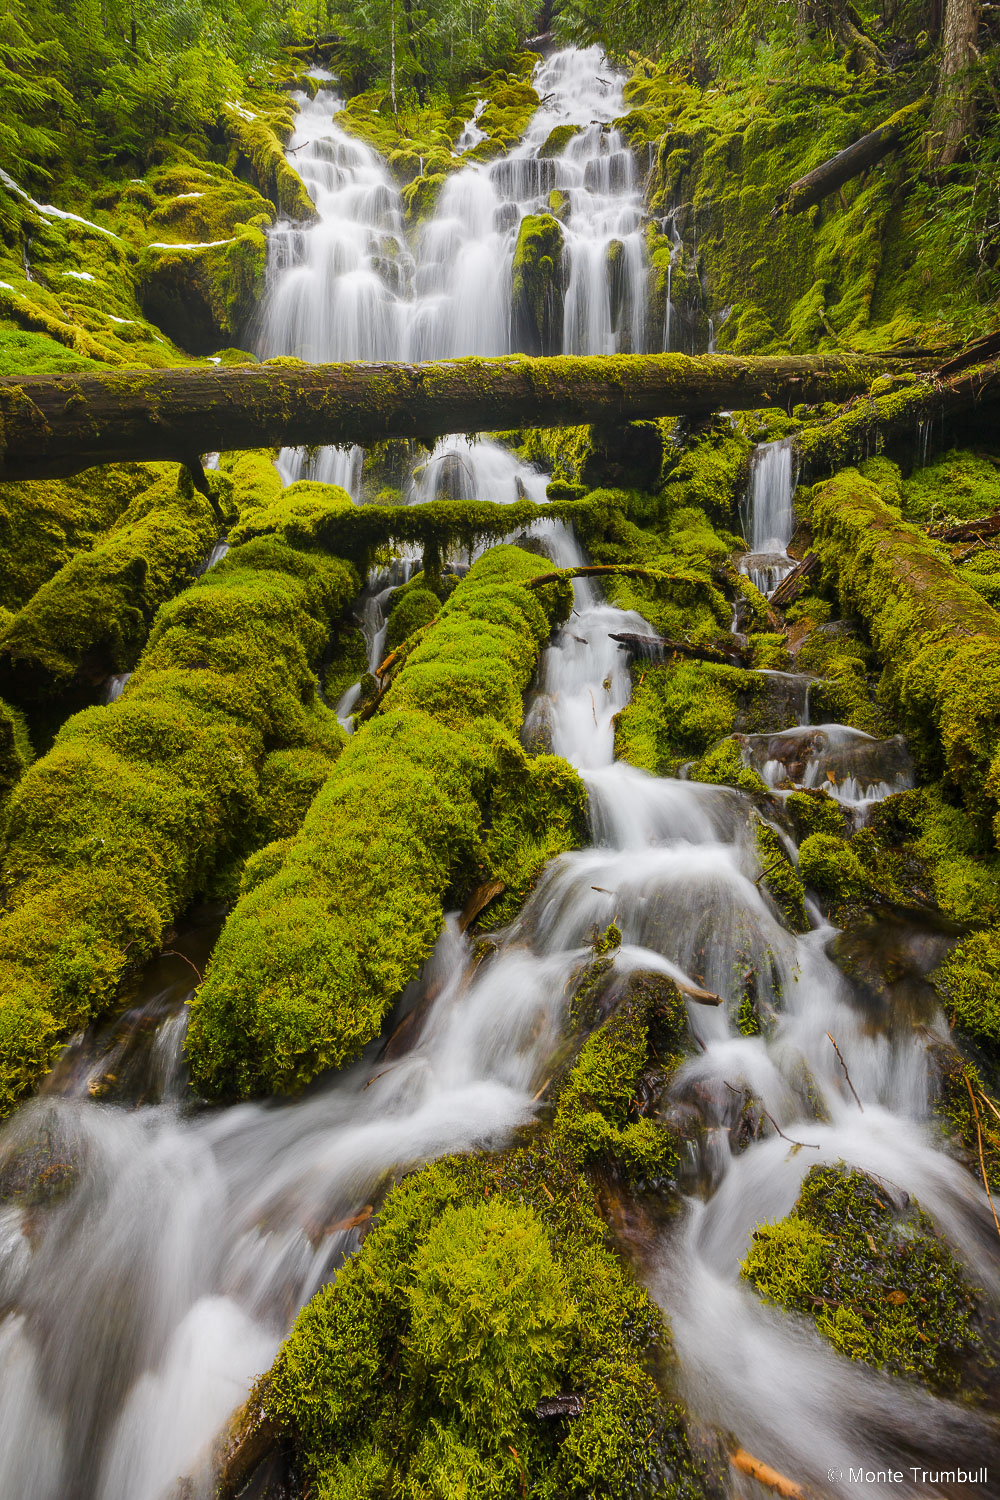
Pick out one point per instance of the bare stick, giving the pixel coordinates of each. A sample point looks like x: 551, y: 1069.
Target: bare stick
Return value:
x: 847, y: 1075
x: 764, y: 1474
x: 172, y: 953
x: 982, y: 1159
x: 746, y: 1094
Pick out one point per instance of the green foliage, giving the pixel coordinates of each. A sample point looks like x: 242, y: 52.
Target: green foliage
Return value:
x: 44, y: 522
x: 538, y: 283
x: 137, y: 806
x: 91, y: 618
x: 877, y: 1281
x: 676, y: 713
x: 778, y: 877
x: 969, y: 984
x: 309, y: 961
x: 485, y: 1285
x: 830, y: 867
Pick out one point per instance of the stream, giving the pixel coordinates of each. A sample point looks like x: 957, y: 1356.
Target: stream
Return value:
x: 154, y: 1253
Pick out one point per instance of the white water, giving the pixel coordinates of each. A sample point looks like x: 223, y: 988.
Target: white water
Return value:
x: 141, y: 1296
x: 771, y: 515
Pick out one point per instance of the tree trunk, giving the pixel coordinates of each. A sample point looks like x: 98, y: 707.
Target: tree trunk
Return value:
x: 954, y: 108
x: 57, y: 425
x: 856, y: 158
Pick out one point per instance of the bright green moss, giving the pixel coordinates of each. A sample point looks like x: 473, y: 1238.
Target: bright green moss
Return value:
x: 969, y: 985
x: 485, y: 1286
x: 814, y: 812
x: 137, y: 806
x: 256, y: 482
x: 938, y: 639
x: 297, y: 513
x: 44, y: 522
x: 256, y: 144
x: 724, y: 766
x: 415, y: 607
x: 308, y: 963
x: 876, y: 1280
x: 830, y: 867
x: 16, y: 753
x: 538, y: 810
x: 204, y: 295
x: 968, y: 1122
x: 676, y: 713
x: 558, y: 139
x: 596, y: 1116
x: 962, y: 485
x: 779, y: 879
x: 91, y: 618
x: 768, y: 651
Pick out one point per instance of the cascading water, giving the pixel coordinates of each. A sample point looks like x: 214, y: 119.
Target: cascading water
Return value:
x: 153, y: 1255
x: 770, y: 515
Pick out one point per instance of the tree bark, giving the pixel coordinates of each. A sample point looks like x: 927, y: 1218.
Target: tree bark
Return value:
x: 854, y: 159
x: 954, y: 107
x: 58, y: 425
x: 794, y: 582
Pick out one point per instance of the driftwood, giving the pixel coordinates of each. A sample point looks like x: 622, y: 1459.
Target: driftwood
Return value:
x: 966, y: 531
x: 794, y: 582
x: 697, y: 994
x: 662, y: 644
x: 764, y: 1474
x: 51, y: 426
x: 854, y: 159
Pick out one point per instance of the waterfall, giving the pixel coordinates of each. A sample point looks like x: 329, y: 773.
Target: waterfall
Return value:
x: 153, y: 1254
x: 353, y: 286
x: 770, y: 514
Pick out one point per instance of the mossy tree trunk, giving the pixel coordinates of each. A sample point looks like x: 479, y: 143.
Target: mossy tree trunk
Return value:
x: 851, y: 162
x: 955, y: 106
x: 59, y: 425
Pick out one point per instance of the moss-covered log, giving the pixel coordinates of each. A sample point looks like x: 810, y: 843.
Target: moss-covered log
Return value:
x: 58, y: 425
x: 938, y: 637
x: 434, y: 789
x: 139, y: 805
x: 851, y: 162
x: 92, y: 617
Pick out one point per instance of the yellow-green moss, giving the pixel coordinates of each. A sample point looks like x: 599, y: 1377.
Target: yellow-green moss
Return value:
x: 877, y: 1280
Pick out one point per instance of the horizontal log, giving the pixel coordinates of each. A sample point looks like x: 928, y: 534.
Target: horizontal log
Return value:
x: 830, y: 175
x: 966, y: 531
x: 662, y: 646
x: 52, y: 426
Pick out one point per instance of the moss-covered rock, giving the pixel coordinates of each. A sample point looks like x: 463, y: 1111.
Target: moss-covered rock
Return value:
x: 558, y: 139
x: 538, y: 285
x: 779, y: 878
x: 257, y: 144
x: 485, y: 1288
x: 203, y: 295
x: 875, y: 1278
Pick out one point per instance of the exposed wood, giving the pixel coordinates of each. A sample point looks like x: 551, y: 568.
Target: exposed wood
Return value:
x: 854, y: 159
x: 696, y: 993
x: 955, y: 105
x: 51, y: 426
x: 662, y: 645
x: 794, y: 582
x: 987, y: 347
x: 480, y: 898
x: 764, y: 1474
x: 966, y: 531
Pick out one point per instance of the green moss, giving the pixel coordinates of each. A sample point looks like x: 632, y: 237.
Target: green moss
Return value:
x: 44, y: 522
x: 877, y: 1281
x: 676, y: 713
x: 137, y: 806
x: 596, y: 1115
x: 485, y: 1286
x: 92, y: 617
x: 961, y: 485
x: 255, y: 143
x: 938, y: 639
x: 830, y: 867
x: 308, y: 963
x: 814, y: 812
x: 969, y: 1123
x: 558, y: 139
x: 204, y: 295
x: 414, y: 608
x: 969, y: 985
x: 538, y: 810
x: 778, y: 877
x: 724, y: 766
x: 538, y: 284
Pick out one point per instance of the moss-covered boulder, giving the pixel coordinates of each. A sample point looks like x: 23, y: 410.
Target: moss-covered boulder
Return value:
x: 538, y: 285
x: 203, y: 295
x: 483, y: 1304
x: 873, y: 1275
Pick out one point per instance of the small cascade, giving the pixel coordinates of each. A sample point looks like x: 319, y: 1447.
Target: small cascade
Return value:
x: 769, y: 515
x: 854, y: 768
x: 115, y: 686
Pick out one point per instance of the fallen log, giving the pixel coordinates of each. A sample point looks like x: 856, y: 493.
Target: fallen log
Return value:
x: 662, y: 645
x: 51, y: 426
x: 873, y: 423
x: 794, y: 582
x: 966, y: 531
x: 854, y: 159
x: 602, y: 570
x: 975, y: 353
